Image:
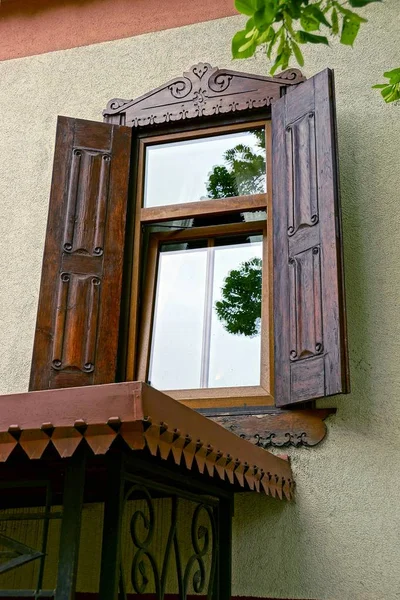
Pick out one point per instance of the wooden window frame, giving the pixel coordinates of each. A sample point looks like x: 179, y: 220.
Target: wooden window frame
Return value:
x: 142, y: 296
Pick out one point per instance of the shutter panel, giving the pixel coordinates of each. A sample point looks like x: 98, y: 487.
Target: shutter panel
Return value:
x: 77, y: 325
x: 309, y: 318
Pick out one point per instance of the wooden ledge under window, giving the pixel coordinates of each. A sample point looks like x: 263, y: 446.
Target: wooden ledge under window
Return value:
x: 274, y: 428
x: 145, y: 419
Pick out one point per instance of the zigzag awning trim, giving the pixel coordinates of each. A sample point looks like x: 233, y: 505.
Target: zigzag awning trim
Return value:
x: 143, y: 417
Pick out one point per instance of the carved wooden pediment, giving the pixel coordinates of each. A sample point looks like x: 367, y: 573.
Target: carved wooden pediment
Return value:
x: 202, y: 91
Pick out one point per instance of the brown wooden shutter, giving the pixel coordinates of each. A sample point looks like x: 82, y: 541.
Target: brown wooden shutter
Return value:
x: 309, y: 318
x: 76, y: 335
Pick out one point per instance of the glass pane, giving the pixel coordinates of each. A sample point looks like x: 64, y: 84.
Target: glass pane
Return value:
x: 214, y: 167
x: 236, y: 315
x: 175, y: 361
x: 207, y: 318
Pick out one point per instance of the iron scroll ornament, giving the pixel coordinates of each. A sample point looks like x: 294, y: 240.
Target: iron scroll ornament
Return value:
x: 145, y: 569
x: 200, y: 532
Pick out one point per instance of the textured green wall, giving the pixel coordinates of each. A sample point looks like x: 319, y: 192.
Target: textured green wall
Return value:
x: 340, y: 540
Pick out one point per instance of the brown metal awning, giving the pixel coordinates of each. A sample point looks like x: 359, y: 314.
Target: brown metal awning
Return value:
x: 143, y: 417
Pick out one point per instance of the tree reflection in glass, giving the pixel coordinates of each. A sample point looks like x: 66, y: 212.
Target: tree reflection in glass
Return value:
x: 204, y: 337
x: 220, y: 166
x: 243, y: 169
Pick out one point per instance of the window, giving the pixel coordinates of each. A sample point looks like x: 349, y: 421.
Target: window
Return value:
x: 196, y: 342
x: 108, y: 302
x: 189, y: 343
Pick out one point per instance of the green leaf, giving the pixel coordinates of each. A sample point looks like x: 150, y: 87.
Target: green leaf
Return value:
x: 393, y: 75
x: 395, y: 96
x: 283, y: 56
x: 246, y: 7
x: 272, y: 43
x: 276, y: 64
x: 386, y: 91
x: 260, y: 21
x: 288, y: 24
x: 335, y: 22
x: 280, y: 56
x: 360, y: 3
x: 394, y: 79
x: 241, y: 46
x: 250, y: 25
x: 350, y: 14
x: 287, y: 53
x: 350, y: 30
x: 265, y: 36
x: 282, y: 41
x: 270, y: 34
x: 297, y: 53
x: 308, y: 23
x: 294, y: 9
x: 390, y: 93
x: 265, y: 16
x: 303, y: 37
x: 313, y: 11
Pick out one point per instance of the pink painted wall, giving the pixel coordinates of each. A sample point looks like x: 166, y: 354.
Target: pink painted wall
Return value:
x: 30, y: 27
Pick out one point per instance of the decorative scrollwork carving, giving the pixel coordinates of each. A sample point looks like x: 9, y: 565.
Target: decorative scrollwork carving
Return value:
x: 117, y: 103
x: 203, y: 90
x: 280, y: 428
x: 219, y: 81
x: 199, y: 97
x: 74, y: 289
x: 283, y: 440
x: 201, y: 69
x: 181, y: 88
x: 290, y: 75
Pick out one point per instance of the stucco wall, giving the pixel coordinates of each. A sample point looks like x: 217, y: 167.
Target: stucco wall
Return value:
x: 340, y: 539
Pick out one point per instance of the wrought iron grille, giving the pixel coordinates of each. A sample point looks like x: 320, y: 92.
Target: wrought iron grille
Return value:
x: 170, y: 542
x: 15, y: 553
x: 162, y: 534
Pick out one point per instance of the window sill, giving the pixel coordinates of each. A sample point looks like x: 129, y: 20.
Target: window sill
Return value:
x: 224, y: 398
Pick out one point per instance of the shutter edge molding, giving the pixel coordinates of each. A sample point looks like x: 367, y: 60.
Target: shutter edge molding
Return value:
x: 309, y: 306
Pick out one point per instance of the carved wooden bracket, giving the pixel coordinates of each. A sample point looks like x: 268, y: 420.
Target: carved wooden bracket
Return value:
x: 202, y: 91
x: 279, y: 429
